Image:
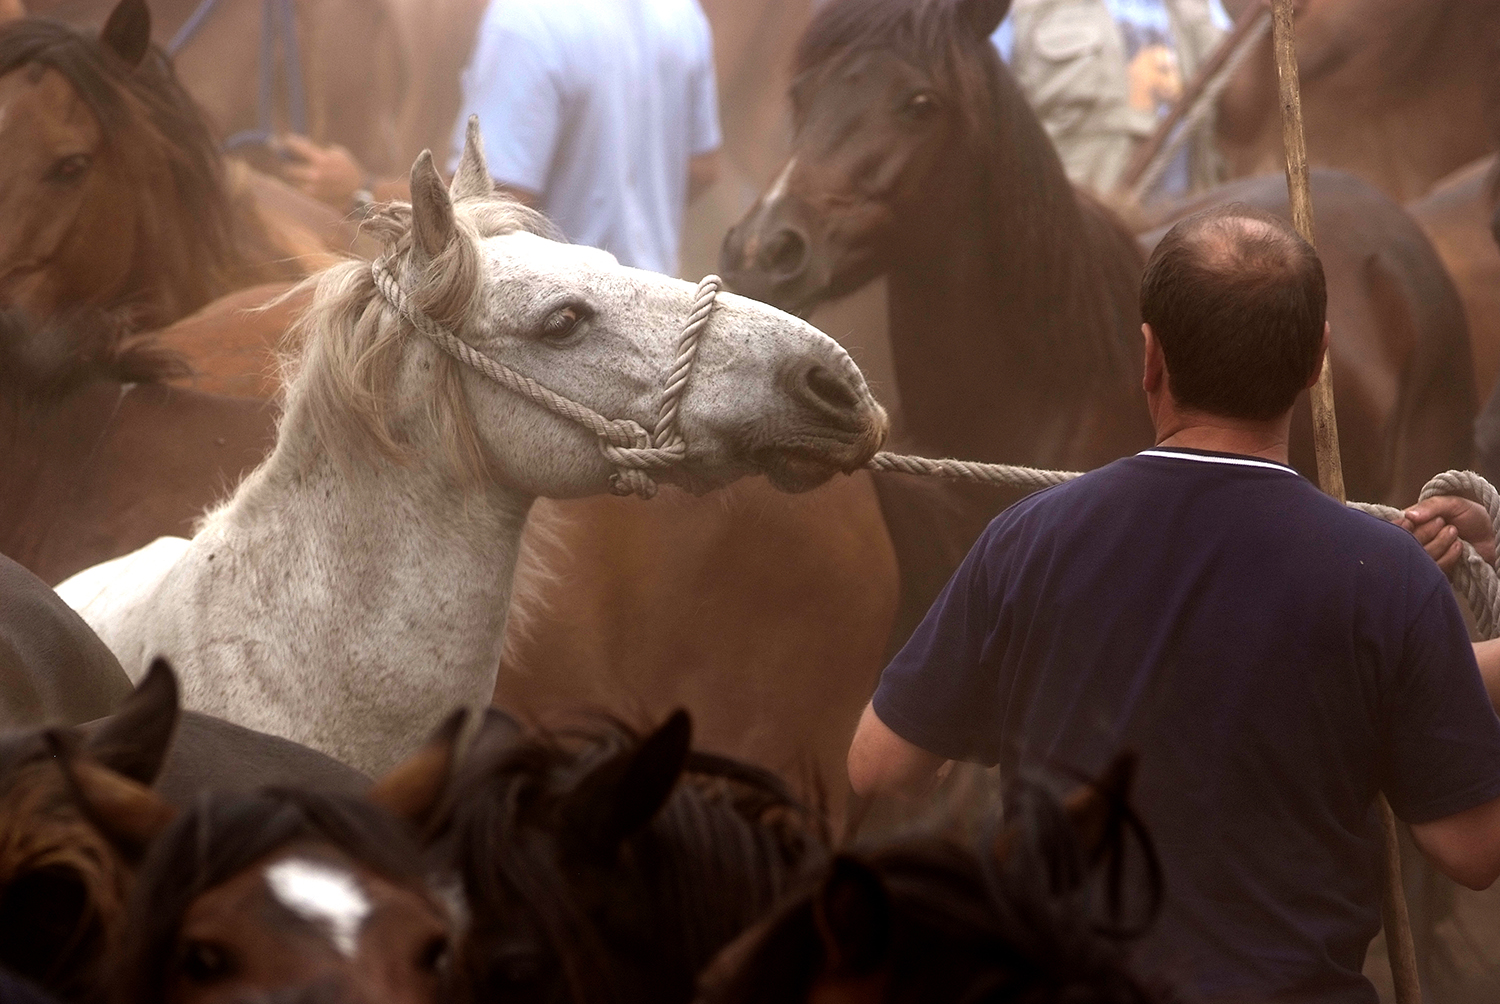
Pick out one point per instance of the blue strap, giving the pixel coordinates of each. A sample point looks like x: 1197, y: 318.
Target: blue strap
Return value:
x: 190, y: 26
x: 278, y: 23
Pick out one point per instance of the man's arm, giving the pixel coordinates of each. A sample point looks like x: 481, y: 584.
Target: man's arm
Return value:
x: 882, y: 763
x: 1464, y: 846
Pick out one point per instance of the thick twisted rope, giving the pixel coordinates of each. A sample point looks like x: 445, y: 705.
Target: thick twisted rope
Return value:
x: 630, y: 448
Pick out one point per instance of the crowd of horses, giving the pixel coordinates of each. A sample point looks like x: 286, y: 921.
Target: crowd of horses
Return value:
x: 389, y: 535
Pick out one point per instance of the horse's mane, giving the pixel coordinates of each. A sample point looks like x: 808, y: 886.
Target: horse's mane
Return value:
x: 220, y: 836
x: 45, y: 361
x: 144, y: 112
x: 962, y: 925
x: 728, y: 842
x: 348, y: 345
x: 1037, y: 226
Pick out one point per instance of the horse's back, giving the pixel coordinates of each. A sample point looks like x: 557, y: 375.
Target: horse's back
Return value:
x: 53, y: 669
x: 211, y: 754
x: 109, y: 595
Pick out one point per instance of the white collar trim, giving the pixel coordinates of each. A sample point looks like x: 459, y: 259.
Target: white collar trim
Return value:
x: 1228, y: 461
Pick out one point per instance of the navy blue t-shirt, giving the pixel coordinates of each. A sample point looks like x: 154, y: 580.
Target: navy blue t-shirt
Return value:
x: 1274, y: 658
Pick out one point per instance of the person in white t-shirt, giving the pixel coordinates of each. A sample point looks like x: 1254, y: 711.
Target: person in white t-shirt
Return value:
x: 601, y: 113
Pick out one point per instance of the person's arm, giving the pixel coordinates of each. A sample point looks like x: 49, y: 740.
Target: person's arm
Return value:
x: 1440, y: 522
x: 703, y: 171
x: 882, y: 763
x: 1464, y: 846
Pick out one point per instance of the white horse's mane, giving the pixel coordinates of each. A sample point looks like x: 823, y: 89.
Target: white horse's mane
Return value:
x: 344, y: 352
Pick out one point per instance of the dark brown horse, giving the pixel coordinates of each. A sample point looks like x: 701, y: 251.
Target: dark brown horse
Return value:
x: 607, y: 866
x: 935, y: 921
x: 1392, y: 91
x: 62, y: 881
x: 111, y: 185
x: 99, y: 456
x: 1013, y: 298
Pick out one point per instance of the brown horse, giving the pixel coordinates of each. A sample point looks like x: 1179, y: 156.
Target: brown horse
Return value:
x: 764, y: 614
x: 1012, y: 298
x: 111, y: 187
x: 1392, y: 91
x: 100, y: 456
x: 601, y: 864
x: 938, y: 921
x: 1456, y: 217
x: 352, y: 68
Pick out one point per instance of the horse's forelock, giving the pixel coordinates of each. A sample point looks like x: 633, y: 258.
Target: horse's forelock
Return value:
x: 352, y: 341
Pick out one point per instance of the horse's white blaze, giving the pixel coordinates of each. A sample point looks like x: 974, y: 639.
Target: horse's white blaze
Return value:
x: 778, y: 187
x: 324, y: 895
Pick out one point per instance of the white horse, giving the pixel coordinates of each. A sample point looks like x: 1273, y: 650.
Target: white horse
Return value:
x: 354, y: 589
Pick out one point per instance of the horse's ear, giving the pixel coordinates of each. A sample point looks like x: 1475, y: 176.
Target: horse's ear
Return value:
x: 473, y: 179
x: 414, y: 788
x: 498, y: 732
x: 983, y: 16
x: 432, y: 222
x: 127, y: 33
x: 620, y: 797
x: 127, y: 812
x: 1093, y: 813
x: 135, y: 739
x: 852, y: 911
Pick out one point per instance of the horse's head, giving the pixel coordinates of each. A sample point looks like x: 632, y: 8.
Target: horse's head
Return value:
x: 609, y: 865
x: 886, y: 97
x: 102, y: 156
x: 63, y: 879
x: 290, y: 896
x: 767, y: 393
x: 930, y: 920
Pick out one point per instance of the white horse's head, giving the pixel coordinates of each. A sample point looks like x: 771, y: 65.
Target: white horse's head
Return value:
x: 768, y: 393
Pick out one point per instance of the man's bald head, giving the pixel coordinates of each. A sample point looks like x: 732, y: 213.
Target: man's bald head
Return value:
x: 1237, y: 300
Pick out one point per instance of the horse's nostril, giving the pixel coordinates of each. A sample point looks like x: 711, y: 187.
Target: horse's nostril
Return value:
x: 785, y: 253
x: 830, y: 388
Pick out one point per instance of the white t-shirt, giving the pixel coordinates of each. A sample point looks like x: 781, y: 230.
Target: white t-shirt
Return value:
x: 597, y: 105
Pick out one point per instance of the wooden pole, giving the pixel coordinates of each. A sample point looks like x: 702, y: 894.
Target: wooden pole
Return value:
x: 1398, y: 938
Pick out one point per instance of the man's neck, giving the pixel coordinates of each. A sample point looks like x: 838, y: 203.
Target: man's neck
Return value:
x: 1195, y: 431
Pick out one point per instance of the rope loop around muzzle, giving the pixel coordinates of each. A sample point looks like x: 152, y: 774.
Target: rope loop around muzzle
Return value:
x: 630, y: 448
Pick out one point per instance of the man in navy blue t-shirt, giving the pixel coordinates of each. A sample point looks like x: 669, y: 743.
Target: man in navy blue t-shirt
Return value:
x: 1274, y: 658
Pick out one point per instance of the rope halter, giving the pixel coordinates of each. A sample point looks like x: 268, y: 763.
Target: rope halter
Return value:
x: 626, y: 444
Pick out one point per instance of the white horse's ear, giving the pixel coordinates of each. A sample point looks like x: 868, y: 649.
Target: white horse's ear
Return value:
x: 473, y: 178
x: 432, y: 222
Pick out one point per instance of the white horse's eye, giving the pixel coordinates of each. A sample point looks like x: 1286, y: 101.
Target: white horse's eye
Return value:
x: 566, y: 323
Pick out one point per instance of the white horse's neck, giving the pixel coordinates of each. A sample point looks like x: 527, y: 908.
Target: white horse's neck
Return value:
x: 395, y: 580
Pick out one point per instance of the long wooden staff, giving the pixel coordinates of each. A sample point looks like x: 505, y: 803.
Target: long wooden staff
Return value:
x: 1398, y: 939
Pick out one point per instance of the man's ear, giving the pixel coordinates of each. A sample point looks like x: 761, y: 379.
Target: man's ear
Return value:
x: 1322, y: 356
x: 1155, y: 370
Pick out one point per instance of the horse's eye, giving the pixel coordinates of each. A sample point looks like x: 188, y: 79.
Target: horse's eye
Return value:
x: 203, y: 962
x: 565, y: 323
x: 434, y: 955
x: 71, y: 168
x: 920, y: 106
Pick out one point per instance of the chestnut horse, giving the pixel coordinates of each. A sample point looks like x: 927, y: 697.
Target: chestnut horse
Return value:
x: 111, y: 186
x: 1013, y: 298
x: 100, y: 456
x: 1392, y: 91
x: 352, y: 69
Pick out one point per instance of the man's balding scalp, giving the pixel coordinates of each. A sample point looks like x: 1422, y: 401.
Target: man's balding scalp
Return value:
x: 1237, y: 300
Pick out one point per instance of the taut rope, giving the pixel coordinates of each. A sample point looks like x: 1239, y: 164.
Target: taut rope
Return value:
x: 635, y: 452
